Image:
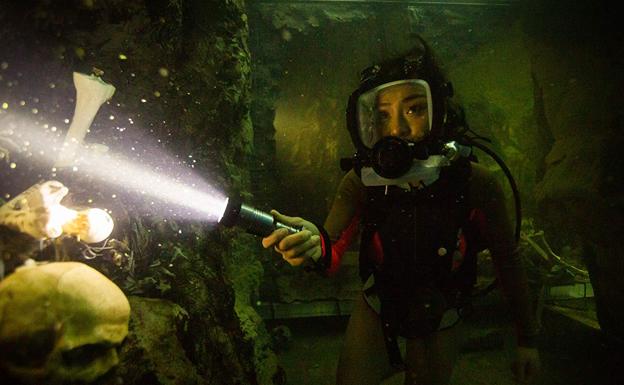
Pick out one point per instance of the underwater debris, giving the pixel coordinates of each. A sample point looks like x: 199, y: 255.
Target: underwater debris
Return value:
x: 536, y: 239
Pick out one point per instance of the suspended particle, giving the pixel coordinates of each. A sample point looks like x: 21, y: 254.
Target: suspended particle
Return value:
x: 162, y: 71
x: 111, y: 117
x: 4, y: 65
x: 143, y: 101
x: 75, y: 168
x: 5, y: 105
x: 80, y: 52
x: 22, y: 103
x: 52, y: 85
x: 157, y: 94
x: 66, y: 120
x: 53, y: 128
x: 122, y: 57
x: 35, y: 111
x: 114, y: 196
x: 12, y: 165
x: 286, y: 35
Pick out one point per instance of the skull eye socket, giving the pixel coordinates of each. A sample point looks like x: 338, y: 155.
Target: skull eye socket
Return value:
x: 84, y: 355
x: 29, y: 351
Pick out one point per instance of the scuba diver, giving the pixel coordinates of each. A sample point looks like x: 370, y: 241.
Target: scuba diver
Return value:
x: 423, y: 210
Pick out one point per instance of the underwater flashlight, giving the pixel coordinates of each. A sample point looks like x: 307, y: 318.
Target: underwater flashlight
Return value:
x: 254, y: 221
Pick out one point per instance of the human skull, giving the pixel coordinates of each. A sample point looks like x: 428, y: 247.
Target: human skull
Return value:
x: 60, y: 322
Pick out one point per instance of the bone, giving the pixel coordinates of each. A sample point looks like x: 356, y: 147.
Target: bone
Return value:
x: 36, y: 211
x: 91, y: 93
x: 39, y: 213
x: 90, y: 225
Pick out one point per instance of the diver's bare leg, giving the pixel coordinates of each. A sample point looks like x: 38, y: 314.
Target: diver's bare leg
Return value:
x: 430, y: 360
x: 363, y: 359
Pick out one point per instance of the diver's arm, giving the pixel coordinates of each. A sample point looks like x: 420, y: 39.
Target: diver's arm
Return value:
x: 326, y: 244
x: 342, y: 222
x: 500, y: 240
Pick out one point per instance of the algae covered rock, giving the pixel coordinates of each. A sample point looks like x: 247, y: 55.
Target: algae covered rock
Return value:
x: 152, y: 352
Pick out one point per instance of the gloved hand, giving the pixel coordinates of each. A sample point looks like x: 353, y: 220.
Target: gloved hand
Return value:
x: 526, y: 365
x: 295, y: 248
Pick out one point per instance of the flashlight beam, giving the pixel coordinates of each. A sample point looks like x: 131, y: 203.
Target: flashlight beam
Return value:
x: 118, y: 171
x: 201, y: 200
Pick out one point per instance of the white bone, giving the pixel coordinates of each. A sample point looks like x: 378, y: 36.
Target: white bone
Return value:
x: 34, y: 212
x: 91, y: 93
x: 90, y: 225
x: 39, y: 213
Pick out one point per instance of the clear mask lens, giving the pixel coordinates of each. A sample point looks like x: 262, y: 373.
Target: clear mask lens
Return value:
x: 401, y: 108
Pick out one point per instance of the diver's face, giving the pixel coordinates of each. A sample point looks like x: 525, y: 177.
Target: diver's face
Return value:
x: 402, y: 111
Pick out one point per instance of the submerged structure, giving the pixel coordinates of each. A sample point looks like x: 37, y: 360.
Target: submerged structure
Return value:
x: 247, y: 99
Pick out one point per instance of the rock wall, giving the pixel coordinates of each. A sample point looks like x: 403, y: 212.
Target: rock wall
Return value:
x: 182, y: 74
x: 576, y: 55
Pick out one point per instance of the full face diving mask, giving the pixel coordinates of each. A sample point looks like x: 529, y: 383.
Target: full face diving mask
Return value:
x: 394, y: 123
x: 400, y: 108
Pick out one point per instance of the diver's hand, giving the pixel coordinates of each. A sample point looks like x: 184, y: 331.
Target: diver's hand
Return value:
x: 526, y: 365
x: 295, y: 248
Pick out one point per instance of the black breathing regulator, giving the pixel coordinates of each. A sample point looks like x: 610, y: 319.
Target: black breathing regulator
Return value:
x: 391, y: 157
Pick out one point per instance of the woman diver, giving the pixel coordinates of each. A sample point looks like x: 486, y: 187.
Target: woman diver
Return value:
x: 423, y: 210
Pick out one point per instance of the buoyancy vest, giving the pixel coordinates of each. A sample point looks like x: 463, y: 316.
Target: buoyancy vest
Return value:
x: 412, y: 244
